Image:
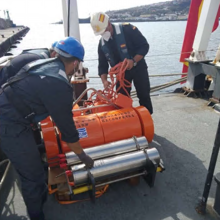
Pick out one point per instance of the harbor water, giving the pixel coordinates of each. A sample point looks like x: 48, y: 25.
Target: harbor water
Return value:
x: 165, y: 39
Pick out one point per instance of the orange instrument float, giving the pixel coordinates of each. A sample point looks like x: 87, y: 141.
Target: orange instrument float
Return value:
x: 108, y: 126
x: 100, y: 128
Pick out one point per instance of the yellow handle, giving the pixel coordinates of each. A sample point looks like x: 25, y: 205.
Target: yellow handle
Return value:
x: 81, y: 190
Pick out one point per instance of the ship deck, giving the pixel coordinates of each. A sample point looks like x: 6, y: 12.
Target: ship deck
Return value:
x: 185, y: 130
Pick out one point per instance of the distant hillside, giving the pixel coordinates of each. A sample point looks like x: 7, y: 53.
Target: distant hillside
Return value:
x: 164, y: 11
x: 169, y: 10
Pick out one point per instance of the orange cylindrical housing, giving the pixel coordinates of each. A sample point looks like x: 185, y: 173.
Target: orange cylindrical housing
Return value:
x: 90, y: 132
x: 146, y: 121
x: 106, y: 127
x: 49, y: 136
x: 120, y: 124
x: 103, y: 127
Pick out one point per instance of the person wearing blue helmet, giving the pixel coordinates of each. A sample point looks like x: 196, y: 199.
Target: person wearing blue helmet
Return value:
x: 38, y: 90
x: 70, y: 48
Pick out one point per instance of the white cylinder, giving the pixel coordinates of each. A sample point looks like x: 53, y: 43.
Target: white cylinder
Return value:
x: 112, y: 167
x: 111, y: 149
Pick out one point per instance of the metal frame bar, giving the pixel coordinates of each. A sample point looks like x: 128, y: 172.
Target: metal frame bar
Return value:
x: 6, y: 171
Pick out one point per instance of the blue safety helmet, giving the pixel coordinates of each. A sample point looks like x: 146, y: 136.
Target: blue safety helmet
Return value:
x: 70, y: 47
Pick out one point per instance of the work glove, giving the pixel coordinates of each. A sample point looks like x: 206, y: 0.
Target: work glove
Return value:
x: 87, y: 160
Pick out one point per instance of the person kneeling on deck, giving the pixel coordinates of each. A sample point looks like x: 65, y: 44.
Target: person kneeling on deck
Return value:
x: 38, y: 90
x: 24, y: 58
x: 119, y: 42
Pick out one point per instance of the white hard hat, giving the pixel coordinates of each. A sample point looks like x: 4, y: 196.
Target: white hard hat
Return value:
x: 99, y: 22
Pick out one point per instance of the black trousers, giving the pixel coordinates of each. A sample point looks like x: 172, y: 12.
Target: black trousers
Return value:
x: 140, y: 78
x: 17, y: 142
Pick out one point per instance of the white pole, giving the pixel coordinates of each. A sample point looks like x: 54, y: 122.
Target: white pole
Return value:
x: 70, y: 18
x: 71, y: 27
x: 204, y: 30
x: 64, y: 6
x: 74, y: 24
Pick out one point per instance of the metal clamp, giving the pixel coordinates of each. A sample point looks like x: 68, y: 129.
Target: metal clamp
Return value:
x: 151, y: 170
x: 91, y: 183
x: 136, y: 142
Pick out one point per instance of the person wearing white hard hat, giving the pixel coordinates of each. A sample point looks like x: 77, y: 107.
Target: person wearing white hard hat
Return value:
x: 119, y: 42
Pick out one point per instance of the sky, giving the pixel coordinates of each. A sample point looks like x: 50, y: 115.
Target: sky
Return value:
x: 23, y: 12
